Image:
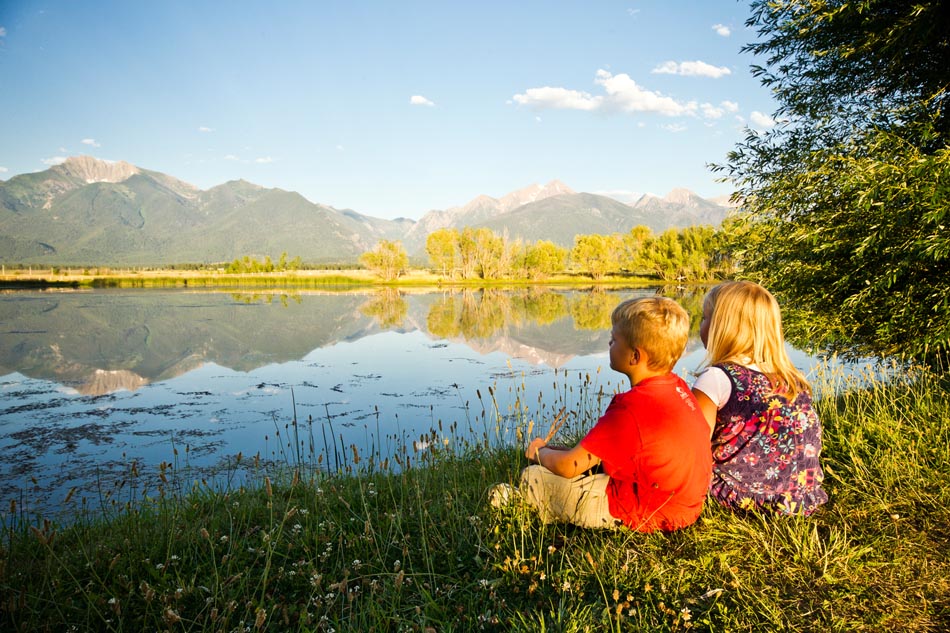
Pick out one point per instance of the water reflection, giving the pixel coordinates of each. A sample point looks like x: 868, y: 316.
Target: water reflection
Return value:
x: 93, y: 381
x: 99, y: 342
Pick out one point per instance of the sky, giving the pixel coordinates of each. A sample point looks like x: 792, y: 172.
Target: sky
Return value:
x: 390, y: 108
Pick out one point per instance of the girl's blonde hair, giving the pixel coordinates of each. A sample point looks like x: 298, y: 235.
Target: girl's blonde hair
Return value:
x: 745, y: 327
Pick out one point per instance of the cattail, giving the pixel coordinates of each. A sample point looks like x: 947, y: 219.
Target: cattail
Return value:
x: 39, y: 535
x: 261, y: 616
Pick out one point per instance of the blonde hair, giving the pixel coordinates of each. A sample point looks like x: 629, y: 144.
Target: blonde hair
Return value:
x: 745, y: 327
x: 657, y: 325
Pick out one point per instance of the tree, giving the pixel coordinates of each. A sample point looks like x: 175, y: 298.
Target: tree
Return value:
x: 633, y: 244
x: 442, y: 246
x: 664, y: 254
x: 544, y: 258
x: 847, y: 199
x: 490, y: 253
x: 468, y: 255
x: 481, y: 252
x: 597, y: 255
x: 388, y: 260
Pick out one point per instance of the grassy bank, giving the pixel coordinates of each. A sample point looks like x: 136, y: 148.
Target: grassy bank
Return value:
x: 420, y: 550
x: 146, y: 278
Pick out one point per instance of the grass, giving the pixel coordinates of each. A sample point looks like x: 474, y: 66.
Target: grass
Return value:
x: 320, y: 278
x: 413, y: 546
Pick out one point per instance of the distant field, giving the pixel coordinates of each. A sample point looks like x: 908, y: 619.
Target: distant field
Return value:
x: 134, y: 278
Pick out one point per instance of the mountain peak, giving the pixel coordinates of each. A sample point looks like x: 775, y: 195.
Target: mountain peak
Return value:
x: 532, y: 193
x: 554, y: 188
x: 681, y: 196
x: 93, y: 170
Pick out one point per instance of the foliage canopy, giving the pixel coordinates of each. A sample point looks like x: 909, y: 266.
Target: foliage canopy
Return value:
x: 388, y: 260
x: 846, y: 200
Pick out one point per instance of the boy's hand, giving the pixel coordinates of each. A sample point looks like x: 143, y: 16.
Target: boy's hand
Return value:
x: 532, y: 451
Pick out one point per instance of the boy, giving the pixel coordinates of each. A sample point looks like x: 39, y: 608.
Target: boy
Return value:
x: 652, y: 442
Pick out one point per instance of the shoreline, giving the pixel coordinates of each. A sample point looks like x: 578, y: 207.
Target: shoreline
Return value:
x: 172, y: 278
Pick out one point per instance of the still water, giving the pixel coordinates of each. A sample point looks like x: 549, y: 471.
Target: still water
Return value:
x: 97, y: 384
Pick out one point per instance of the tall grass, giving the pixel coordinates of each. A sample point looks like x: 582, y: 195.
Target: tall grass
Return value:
x: 358, y: 544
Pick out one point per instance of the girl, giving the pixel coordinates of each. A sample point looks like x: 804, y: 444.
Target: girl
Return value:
x: 766, y: 437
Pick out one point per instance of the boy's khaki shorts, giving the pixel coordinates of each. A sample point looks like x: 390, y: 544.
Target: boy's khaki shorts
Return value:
x: 581, y: 500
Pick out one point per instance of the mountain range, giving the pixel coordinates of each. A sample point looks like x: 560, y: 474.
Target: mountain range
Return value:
x: 86, y: 211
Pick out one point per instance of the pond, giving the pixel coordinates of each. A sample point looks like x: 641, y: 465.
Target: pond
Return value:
x: 96, y: 385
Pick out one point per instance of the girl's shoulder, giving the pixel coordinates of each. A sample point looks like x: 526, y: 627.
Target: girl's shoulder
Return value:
x: 745, y: 378
x: 735, y: 370
x: 715, y: 383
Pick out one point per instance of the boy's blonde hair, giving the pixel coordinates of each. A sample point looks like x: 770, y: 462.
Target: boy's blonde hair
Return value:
x: 745, y: 327
x: 658, y: 325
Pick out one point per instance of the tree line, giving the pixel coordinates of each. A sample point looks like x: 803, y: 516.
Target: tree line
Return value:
x: 248, y: 264
x: 696, y: 253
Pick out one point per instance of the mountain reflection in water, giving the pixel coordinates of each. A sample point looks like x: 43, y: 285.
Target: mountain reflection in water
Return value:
x: 104, y: 341
x: 95, y: 383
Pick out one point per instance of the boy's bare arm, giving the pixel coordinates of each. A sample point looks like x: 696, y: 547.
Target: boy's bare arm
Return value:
x: 566, y: 462
x: 708, y: 407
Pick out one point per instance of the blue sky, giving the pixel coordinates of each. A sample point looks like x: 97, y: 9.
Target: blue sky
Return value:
x: 389, y: 108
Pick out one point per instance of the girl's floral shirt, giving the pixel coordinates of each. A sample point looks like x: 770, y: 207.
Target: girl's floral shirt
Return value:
x: 765, y: 448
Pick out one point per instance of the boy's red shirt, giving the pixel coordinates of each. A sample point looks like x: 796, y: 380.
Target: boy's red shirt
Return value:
x: 653, y: 442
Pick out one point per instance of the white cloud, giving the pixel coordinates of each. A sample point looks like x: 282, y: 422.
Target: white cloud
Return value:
x: 624, y: 93
x: 761, y: 121
x: 204, y: 128
x: 91, y: 142
x: 3, y: 169
x: 722, y: 29
x: 558, y: 98
x: 420, y: 100
x: 231, y: 157
x: 264, y: 160
x: 674, y: 127
x: 633, y: 12
x: 710, y: 111
x: 3, y: 32
x: 55, y: 160
x: 730, y: 106
x: 621, y: 94
x: 692, y: 69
